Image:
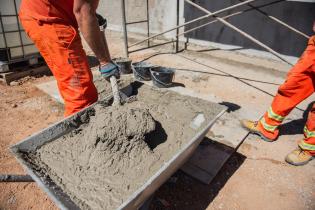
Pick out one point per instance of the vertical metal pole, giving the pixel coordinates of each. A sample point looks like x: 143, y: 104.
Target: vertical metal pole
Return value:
x: 177, y: 23
x: 3, y: 34
x: 123, y: 9
x: 19, y: 28
x: 148, y: 23
x: 4, y: 38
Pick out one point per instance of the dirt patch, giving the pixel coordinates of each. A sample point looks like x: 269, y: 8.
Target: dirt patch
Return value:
x: 24, y: 110
x: 117, y: 149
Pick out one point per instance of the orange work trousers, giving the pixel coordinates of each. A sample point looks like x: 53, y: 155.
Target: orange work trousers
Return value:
x: 61, y: 47
x: 299, y: 84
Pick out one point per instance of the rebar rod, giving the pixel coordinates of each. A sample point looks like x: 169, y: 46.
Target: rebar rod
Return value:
x: 240, y: 31
x: 194, y: 20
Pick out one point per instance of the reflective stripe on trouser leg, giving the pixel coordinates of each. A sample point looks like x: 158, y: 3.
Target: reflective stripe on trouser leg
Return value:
x: 271, y: 120
x: 274, y: 116
x: 266, y: 126
x: 309, y: 142
x: 306, y: 146
x: 308, y: 133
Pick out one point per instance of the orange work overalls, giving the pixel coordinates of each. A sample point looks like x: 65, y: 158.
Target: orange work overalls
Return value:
x: 299, y: 85
x: 53, y: 28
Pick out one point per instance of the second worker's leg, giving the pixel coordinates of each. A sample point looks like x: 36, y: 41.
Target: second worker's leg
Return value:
x: 297, y: 87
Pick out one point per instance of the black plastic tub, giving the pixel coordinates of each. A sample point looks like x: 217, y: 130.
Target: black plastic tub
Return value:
x: 162, y: 77
x: 124, y: 64
x: 141, y: 71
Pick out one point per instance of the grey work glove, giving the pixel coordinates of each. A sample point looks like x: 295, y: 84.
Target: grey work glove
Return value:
x: 110, y: 69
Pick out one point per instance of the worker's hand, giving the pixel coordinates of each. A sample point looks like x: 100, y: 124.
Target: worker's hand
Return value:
x: 314, y: 26
x: 109, y: 69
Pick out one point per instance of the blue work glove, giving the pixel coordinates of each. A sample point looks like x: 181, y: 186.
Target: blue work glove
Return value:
x: 110, y: 69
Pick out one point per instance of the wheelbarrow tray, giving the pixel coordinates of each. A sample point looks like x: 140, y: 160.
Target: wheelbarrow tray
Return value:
x: 136, y: 199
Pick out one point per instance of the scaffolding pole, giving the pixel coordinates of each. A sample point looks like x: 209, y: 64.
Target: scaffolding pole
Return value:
x: 240, y: 31
x: 123, y: 9
x: 258, y: 10
x: 194, y: 20
x: 177, y: 23
x: 252, y: 8
x: 278, y: 21
x: 228, y: 16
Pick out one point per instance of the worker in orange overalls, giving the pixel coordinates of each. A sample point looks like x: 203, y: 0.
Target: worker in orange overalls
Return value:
x: 299, y: 85
x: 53, y: 26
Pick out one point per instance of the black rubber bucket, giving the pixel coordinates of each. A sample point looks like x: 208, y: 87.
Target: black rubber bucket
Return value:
x: 162, y: 77
x: 124, y: 64
x: 141, y: 71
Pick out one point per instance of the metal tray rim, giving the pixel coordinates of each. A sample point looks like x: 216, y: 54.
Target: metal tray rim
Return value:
x: 15, y: 150
x: 173, y: 159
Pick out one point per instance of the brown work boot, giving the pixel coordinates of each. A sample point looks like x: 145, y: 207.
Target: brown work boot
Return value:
x: 298, y: 157
x: 253, y: 127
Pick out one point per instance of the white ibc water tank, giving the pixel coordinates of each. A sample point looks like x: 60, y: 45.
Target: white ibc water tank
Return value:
x: 12, y: 35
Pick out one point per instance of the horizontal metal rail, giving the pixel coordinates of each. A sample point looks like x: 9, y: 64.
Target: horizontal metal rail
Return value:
x: 240, y: 31
x: 13, y: 31
x: 24, y: 45
x: 136, y: 22
x: 194, y: 20
x: 8, y: 15
x: 151, y: 46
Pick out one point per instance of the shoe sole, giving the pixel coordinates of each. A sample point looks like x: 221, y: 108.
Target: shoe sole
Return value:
x: 259, y: 134
x: 299, y: 164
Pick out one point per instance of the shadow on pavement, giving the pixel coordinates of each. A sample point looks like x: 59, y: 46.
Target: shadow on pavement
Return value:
x: 183, y: 192
x: 296, y: 126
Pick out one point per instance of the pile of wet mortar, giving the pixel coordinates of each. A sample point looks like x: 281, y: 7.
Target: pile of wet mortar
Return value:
x: 116, y: 149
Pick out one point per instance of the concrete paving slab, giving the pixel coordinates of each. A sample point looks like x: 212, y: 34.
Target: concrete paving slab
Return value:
x: 51, y: 89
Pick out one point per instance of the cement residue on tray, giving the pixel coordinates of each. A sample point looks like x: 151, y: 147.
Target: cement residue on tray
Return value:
x: 105, y: 160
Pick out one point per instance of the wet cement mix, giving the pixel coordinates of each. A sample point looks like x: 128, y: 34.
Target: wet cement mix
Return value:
x: 118, y: 148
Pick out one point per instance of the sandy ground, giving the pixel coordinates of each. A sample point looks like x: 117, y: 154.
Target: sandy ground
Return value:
x: 255, y: 177
x: 23, y: 110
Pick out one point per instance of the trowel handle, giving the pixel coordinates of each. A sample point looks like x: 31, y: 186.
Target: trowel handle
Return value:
x: 115, y: 89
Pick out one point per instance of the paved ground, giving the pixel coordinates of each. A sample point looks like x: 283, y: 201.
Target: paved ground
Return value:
x: 255, y: 177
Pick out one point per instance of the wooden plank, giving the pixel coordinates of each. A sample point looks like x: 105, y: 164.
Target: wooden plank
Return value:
x: 11, y: 76
x: 207, y: 161
x: 197, y: 173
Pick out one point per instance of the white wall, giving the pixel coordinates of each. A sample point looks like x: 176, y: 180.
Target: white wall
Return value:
x: 162, y: 14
